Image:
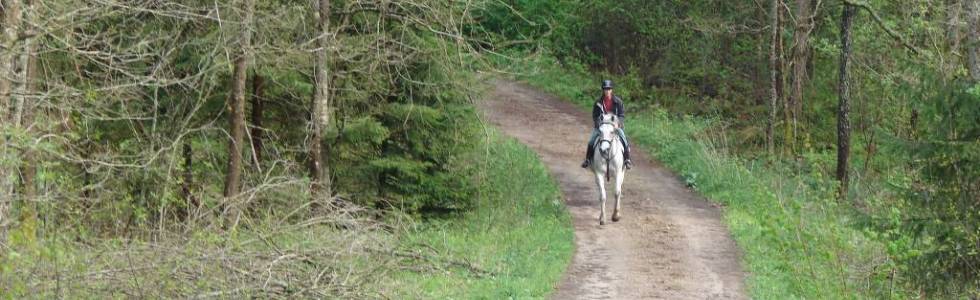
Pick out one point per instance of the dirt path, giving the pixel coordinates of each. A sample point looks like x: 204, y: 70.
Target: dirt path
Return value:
x: 670, y: 244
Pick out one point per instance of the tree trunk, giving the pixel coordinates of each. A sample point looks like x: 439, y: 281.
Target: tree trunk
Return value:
x: 186, y: 190
x: 801, y: 53
x: 843, y: 106
x: 23, y: 118
x: 258, y: 110
x: 11, y: 29
x: 236, y: 105
x: 27, y: 102
x: 11, y: 14
x: 773, y: 74
x: 319, y: 172
x: 973, y: 36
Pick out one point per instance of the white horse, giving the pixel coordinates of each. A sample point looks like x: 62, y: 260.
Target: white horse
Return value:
x: 608, y: 160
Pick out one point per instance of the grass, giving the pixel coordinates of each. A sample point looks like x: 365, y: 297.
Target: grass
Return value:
x: 515, y: 244
x: 798, y: 241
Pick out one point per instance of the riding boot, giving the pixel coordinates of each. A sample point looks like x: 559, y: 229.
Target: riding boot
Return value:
x: 589, y: 152
x: 626, y: 158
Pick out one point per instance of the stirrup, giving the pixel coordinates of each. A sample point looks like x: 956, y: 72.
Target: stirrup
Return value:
x: 629, y: 164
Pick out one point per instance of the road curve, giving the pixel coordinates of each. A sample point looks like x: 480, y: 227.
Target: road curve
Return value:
x: 670, y: 244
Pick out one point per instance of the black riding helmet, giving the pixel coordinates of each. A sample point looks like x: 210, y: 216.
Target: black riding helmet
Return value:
x: 607, y: 84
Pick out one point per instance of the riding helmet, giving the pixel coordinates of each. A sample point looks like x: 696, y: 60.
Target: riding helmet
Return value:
x: 607, y: 84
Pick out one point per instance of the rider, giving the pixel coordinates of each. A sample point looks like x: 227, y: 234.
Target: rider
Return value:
x: 608, y: 103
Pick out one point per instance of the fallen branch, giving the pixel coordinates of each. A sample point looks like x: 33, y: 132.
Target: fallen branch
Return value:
x: 478, y: 271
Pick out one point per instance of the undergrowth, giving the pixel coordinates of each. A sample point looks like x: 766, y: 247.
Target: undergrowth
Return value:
x: 515, y: 242
x: 798, y: 241
x: 514, y: 245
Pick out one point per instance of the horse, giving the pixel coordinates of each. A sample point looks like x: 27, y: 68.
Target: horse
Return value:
x: 608, y: 158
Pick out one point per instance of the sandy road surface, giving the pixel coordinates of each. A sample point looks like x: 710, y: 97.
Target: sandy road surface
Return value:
x: 670, y: 244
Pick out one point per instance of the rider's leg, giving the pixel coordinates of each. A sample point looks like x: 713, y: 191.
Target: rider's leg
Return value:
x: 626, y: 147
x: 590, y: 150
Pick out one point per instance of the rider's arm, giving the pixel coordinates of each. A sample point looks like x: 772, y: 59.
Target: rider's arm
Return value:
x: 620, y: 109
x: 622, y: 113
x: 596, y: 114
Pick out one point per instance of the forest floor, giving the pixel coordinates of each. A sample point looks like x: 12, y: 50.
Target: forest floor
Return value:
x: 670, y: 243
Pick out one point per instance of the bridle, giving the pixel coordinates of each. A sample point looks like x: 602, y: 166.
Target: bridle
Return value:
x: 609, y: 140
x: 604, y: 140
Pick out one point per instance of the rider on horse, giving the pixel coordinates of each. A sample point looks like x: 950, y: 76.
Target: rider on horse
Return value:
x: 607, y: 103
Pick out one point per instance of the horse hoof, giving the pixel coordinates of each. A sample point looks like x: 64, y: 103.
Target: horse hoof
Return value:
x: 601, y: 222
x: 615, y: 218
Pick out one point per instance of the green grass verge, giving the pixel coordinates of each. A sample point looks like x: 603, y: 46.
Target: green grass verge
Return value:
x: 515, y: 244
x: 798, y: 242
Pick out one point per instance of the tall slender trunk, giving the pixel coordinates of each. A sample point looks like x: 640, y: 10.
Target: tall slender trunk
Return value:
x: 843, y: 106
x: 236, y: 104
x: 773, y: 74
x: 783, y: 63
x: 954, y: 27
x: 781, y: 77
x: 27, y: 104
x: 319, y: 171
x: 8, y: 74
x: 801, y: 53
x: 258, y: 110
x: 973, y: 38
x: 25, y: 100
x: 187, y: 182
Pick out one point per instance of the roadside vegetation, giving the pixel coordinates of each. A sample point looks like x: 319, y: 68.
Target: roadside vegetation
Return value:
x: 515, y: 241
x: 267, y: 149
x: 743, y: 101
x: 798, y: 241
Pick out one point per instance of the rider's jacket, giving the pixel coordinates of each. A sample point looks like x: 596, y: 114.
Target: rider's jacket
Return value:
x: 598, y: 111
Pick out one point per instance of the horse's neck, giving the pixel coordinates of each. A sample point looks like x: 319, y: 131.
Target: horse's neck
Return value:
x: 617, y: 145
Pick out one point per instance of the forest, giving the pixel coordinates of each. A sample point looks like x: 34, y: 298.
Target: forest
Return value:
x: 870, y: 108
x: 334, y: 148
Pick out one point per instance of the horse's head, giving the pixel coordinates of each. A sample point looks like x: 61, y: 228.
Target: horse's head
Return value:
x: 607, y: 134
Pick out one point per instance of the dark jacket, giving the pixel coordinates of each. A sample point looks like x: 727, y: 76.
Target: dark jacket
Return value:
x: 598, y: 110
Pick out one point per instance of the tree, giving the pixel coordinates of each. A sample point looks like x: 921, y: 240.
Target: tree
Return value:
x: 843, y: 105
x: 973, y: 38
x: 258, y: 112
x: 18, y: 99
x: 320, y: 106
x: 27, y: 101
x: 187, y: 180
x: 801, y: 52
x: 236, y: 122
x: 11, y: 32
x: 774, y: 77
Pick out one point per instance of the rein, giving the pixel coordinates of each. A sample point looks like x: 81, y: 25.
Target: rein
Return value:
x: 597, y: 145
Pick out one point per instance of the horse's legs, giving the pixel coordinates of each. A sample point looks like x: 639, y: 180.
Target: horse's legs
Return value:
x: 620, y: 174
x: 602, y: 195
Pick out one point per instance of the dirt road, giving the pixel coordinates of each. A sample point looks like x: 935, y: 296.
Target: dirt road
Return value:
x: 670, y: 244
